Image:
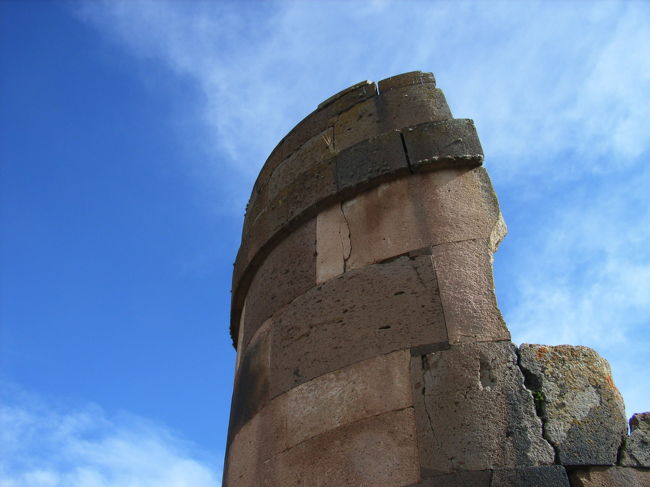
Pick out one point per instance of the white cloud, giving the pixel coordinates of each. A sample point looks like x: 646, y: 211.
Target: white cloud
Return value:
x: 584, y: 279
x: 539, y: 80
x: 46, y: 445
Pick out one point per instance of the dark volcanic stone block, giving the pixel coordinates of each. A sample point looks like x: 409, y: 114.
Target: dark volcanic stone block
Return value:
x: 357, y: 315
x: 287, y: 272
x: 476, y: 412
x: 583, y: 412
x: 610, y: 477
x: 370, y: 160
x: 251, y: 390
x: 406, y: 79
x: 433, y: 145
x: 545, y: 476
x: 636, y: 452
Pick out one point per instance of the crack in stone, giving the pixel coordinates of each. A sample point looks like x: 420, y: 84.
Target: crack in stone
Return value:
x: 531, y: 383
x: 349, y: 240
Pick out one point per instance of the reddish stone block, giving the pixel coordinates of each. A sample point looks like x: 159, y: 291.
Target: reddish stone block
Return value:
x: 286, y: 273
x: 464, y: 271
x: 357, y: 315
x: 375, y: 452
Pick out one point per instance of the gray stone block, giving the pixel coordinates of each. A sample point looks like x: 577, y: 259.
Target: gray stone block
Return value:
x: 476, y: 411
x: 370, y: 160
x: 436, y: 145
x: 582, y: 411
x: 406, y: 79
x: 636, y: 452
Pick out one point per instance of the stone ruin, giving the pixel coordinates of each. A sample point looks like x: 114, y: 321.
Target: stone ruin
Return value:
x: 370, y: 348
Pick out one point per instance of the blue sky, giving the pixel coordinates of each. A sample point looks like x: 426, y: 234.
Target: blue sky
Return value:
x: 130, y: 136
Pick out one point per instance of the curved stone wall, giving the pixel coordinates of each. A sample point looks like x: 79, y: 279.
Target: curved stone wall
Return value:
x: 370, y: 348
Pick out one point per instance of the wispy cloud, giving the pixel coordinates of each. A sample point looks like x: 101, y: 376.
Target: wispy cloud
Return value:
x: 584, y: 279
x: 43, y: 444
x: 540, y: 81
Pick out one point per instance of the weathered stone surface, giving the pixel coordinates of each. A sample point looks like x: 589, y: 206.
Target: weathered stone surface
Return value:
x: 371, y: 159
x: 436, y: 145
x: 365, y: 389
x: 315, y: 150
x: 350, y: 96
x: 479, y: 478
x: 332, y: 243
x: 251, y: 389
x: 286, y: 273
x: 582, y: 411
x: 419, y: 211
x: 636, y: 452
x: 406, y: 79
x: 357, y: 315
x: 375, y: 452
x: 610, y: 477
x: 464, y: 271
x: 412, y: 105
x: 545, y: 476
x: 394, y: 110
x: 476, y: 412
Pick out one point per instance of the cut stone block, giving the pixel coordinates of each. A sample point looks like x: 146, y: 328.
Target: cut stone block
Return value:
x: 479, y: 478
x: 332, y: 243
x: 476, y: 412
x: 419, y: 211
x: 251, y: 389
x: 354, y: 316
x: 286, y: 273
x: 610, y: 477
x: 582, y: 411
x: 545, y: 476
x: 405, y: 79
x: 312, y: 152
x: 371, y: 159
x: 636, y: 452
x: 375, y: 452
x: 464, y: 271
x: 362, y: 390
x: 436, y: 145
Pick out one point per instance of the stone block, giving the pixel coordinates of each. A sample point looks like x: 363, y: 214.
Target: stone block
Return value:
x: 360, y: 314
x: 372, y: 159
x: 310, y: 154
x: 379, y: 451
x: 406, y: 79
x: 441, y: 144
x: 413, y: 105
x: 251, y: 389
x: 476, y: 412
x: 582, y: 411
x: 348, y: 97
x: 636, y: 451
x: 365, y: 389
x: 610, y: 477
x: 332, y: 243
x: 544, y: 476
x: 464, y: 272
x: 394, y: 110
x: 480, y: 478
x: 286, y: 273
x: 374, y: 386
x: 419, y: 211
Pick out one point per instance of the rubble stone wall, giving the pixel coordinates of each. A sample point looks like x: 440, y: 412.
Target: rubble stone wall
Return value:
x: 370, y: 348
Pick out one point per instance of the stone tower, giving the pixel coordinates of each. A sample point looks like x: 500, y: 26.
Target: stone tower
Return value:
x: 370, y: 348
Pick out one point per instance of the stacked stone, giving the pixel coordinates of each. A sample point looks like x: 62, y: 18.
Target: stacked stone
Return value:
x: 370, y: 349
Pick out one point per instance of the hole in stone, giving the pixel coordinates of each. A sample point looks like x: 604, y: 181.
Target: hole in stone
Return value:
x: 384, y: 327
